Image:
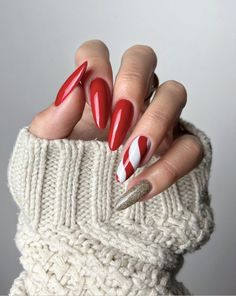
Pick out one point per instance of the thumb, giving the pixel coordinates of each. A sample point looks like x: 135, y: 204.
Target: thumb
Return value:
x: 59, y: 119
x: 57, y: 122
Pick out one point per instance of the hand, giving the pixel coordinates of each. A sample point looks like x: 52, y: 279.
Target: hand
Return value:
x: 83, y: 107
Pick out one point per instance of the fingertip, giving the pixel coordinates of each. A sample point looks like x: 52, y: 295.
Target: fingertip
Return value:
x: 71, y: 82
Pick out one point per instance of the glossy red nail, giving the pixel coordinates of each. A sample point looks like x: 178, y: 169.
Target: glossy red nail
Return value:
x: 120, y: 123
x: 70, y: 83
x: 100, y: 99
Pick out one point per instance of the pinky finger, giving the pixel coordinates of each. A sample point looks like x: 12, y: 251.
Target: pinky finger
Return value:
x: 183, y: 156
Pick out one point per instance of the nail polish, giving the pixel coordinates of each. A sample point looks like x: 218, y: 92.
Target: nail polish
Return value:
x: 70, y: 83
x: 100, y: 99
x: 132, y: 158
x: 133, y: 195
x: 120, y: 123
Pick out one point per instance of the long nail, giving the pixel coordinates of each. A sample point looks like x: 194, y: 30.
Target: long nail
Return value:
x: 100, y: 99
x: 133, y: 195
x: 70, y: 83
x: 120, y: 123
x: 132, y: 158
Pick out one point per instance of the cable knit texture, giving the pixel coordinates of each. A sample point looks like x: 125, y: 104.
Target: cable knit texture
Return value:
x: 72, y: 240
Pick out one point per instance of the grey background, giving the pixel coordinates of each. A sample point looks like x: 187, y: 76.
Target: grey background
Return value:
x: 196, y: 44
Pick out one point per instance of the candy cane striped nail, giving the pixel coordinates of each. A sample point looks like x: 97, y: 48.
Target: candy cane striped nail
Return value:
x: 132, y: 158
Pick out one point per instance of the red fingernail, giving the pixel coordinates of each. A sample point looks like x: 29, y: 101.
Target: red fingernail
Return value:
x: 132, y: 158
x: 70, y: 83
x: 100, y: 99
x: 120, y: 123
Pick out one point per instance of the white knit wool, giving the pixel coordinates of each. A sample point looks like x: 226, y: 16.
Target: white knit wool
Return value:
x: 72, y: 240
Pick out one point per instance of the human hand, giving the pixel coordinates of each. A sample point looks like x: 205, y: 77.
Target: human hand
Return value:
x: 83, y: 110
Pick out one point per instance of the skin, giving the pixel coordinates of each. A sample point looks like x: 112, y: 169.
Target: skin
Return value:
x: 180, y: 153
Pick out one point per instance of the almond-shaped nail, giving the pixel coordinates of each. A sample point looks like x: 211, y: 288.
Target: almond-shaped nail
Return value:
x: 71, y: 82
x: 133, y: 195
x: 120, y: 123
x: 132, y: 158
x: 100, y: 99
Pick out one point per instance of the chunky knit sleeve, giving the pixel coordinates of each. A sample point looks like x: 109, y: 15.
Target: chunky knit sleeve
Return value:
x: 73, y: 242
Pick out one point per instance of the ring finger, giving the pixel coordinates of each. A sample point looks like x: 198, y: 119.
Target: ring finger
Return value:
x: 152, y: 128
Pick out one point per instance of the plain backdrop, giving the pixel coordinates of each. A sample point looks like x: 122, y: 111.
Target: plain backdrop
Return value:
x: 196, y: 45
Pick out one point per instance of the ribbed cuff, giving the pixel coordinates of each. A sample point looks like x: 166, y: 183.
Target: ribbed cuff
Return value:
x: 63, y: 182
x: 71, y: 183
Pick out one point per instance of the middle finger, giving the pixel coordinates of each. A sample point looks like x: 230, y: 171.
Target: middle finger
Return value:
x: 131, y: 87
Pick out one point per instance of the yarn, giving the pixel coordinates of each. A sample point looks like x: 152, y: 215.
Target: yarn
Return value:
x: 73, y: 242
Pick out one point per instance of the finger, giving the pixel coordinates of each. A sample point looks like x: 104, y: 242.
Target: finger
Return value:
x: 131, y: 87
x: 98, y: 79
x: 184, y: 155
x: 152, y: 128
x: 57, y: 122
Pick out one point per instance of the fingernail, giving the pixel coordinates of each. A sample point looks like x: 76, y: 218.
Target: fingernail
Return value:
x: 132, y: 158
x: 133, y: 195
x: 100, y: 99
x: 70, y: 83
x: 120, y: 123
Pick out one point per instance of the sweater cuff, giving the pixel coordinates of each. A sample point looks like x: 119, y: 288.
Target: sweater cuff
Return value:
x: 71, y: 183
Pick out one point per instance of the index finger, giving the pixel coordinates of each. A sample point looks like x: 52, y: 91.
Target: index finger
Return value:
x: 97, y: 81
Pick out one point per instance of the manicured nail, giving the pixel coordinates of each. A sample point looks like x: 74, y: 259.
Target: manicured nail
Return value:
x: 132, y: 158
x: 100, y: 99
x: 120, y: 123
x: 70, y: 83
x: 133, y: 195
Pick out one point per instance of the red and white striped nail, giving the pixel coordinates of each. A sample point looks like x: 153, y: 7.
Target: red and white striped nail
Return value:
x: 132, y: 158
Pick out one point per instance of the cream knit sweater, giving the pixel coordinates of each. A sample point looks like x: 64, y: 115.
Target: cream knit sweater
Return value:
x: 72, y: 240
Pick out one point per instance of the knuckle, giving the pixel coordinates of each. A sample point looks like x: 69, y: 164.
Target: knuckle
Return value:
x: 93, y: 43
x: 170, y: 169
x: 173, y: 84
x: 97, y: 42
x: 159, y: 116
x: 142, y: 50
x: 192, y: 144
x: 177, y: 87
x: 95, y: 60
x: 131, y: 76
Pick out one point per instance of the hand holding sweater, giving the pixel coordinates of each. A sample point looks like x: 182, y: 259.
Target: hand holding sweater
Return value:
x: 80, y: 231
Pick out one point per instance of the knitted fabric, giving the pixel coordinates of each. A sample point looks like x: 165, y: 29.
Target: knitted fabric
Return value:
x: 73, y: 242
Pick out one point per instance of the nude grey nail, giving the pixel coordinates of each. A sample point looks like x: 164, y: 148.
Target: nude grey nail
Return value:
x: 133, y: 195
